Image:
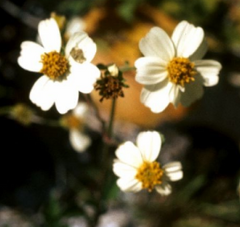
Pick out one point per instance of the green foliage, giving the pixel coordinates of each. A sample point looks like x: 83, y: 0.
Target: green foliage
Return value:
x: 127, y: 8
x: 191, y: 10
x: 203, y: 198
x: 77, y: 7
x: 53, y: 211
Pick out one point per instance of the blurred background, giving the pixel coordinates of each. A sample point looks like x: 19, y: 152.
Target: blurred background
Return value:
x: 45, y: 182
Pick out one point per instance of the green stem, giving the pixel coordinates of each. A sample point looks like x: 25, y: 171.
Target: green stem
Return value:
x: 6, y: 110
x: 127, y: 68
x: 109, y: 136
x: 111, y: 120
x: 48, y: 122
x: 105, y: 164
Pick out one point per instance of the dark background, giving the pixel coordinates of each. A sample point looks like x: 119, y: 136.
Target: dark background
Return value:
x: 42, y: 175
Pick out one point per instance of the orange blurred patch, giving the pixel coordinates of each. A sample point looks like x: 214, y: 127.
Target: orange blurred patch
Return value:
x: 117, y: 43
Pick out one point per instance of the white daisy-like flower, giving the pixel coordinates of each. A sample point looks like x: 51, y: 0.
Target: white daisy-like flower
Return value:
x: 66, y: 72
x: 172, y: 70
x: 75, y: 122
x: 138, y: 169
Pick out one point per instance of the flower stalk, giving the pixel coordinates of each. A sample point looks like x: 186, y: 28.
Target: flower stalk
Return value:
x: 111, y: 120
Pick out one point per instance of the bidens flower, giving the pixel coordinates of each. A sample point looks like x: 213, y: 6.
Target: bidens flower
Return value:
x: 111, y: 83
x: 171, y: 70
x: 65, y: 71
x: 75, y: 122
x: 138, y: 169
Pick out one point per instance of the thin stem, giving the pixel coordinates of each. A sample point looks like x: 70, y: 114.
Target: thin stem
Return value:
x: 109, y: 132
x: 127, y: 68
x: 112, y: 113
x: 6, y: 110
x: 105, y: 164
x: 48, y: 122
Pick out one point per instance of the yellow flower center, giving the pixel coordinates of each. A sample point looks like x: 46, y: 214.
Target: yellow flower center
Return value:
x: 181, y: 71
x: 72, y: 122
x: 54, y: 64
x: 150, y: 174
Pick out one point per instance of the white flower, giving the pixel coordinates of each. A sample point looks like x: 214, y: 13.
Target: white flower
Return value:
x: 138, y: 169
x: 171, y: 70
x: 64, y: 74
x: 74, y: 122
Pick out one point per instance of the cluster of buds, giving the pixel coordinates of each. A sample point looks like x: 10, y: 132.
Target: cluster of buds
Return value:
x: 111, y: 82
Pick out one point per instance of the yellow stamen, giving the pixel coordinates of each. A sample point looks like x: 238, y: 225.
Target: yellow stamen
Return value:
x: 54, y: 64
x: 150, y: 174
x: 181, y: 71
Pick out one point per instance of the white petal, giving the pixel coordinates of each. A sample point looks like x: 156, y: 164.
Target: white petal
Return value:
x: 172, y: 167
x: 84, y: 76
x: 30, y: 56
x: 129, y: 154
x: 82, y: 41
x: 187, y: 39
x: 156, y: 97
x: 200, y: 52
x: 193, y: 91
x: 157, y: 44
x: 164, y: 189
x: 174, y: 94
x: 173, y: 171
x: 66, y: 97
x: 42, y: 93
x: 209, y: 70
x: 175, y: 176
x: 50, y: 35
x: 149, y: 143
x: 129, y: 184
x: 124, y: 170
x: 81, y: 110
x: 150, y: 70
x: 79, y: 141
